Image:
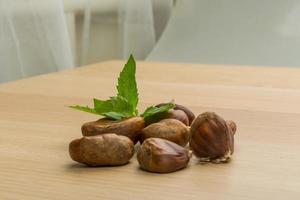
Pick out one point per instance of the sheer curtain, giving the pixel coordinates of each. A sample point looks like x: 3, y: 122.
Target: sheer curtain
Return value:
x: 136, y: 27
x: 129, y: 29
x: 35, y: 36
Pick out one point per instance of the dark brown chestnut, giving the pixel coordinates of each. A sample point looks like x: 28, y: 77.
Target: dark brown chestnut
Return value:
x: 177, y: 113
x: 187, y: 111
x: 162, y: 156
x: 212, y: 138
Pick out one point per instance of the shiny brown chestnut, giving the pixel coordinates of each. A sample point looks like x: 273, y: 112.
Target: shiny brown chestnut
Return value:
x: 212, y: 138
x: 177, y: 114
x: 187, y: 111
x: 169, y: 129
x: 180, y: 113
x: 162, y: 156
x: 129, y: 127
x: 102, y: 150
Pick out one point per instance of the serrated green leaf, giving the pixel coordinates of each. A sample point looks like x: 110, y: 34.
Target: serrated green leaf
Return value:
x: 125, y: 103
x: 85, y: 109
x: 114, y: 115
x: 154, y: 110
x: 121, y: 105
x: 127, y: 87
x: 102, y: 106
x: 115, y: 107
x: 154, y: 114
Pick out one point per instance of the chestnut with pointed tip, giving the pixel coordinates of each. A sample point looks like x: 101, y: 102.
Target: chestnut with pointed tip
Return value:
x: 212, y: 138
x: 232, y: 126
x: 169, y: 129
x: 129, y: 127
x: 102, y: 150
x: 162, y: 156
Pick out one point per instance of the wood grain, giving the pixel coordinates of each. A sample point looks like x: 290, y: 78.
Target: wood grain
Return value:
x: 36, y: 127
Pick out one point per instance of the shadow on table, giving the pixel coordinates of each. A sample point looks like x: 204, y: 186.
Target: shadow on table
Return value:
x: 81, y: 168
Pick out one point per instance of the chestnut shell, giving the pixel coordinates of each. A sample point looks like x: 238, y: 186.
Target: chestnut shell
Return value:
x: 179, y: 115
x: 169, y: 129
x: 102, y: 150
x: 189, y: 114
x: 162, y: 156
x: 129, y: 127
x: 212, y: 138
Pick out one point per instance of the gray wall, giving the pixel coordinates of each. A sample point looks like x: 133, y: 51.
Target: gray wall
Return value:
x: 248, y: 32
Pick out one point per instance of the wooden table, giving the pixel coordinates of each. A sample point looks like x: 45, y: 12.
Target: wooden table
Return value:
x: 36, y: 127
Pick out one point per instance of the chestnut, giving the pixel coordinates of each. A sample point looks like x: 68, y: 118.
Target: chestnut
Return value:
x: 162, y: 156
x: 102, y: 150
x: 212, y: 138
x: 169, y: 129
x: 129, y: 127
x: 187, y: 111
x: 180, y: 113
x: 177, y: 114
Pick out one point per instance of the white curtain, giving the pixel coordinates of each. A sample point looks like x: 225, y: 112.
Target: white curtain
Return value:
x: 33, y: 38
x: 136, y: 27
x: 134, y: 24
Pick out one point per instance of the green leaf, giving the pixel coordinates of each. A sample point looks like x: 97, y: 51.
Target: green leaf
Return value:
x: 85, y: 109
x: 114, y: 115
x: 102, y: 106
x: 127, y: 87
x: 121, y: 105
x: 153, y: 114
x: 115, y: 107
x: 154, y: 110
x: 125, y: 103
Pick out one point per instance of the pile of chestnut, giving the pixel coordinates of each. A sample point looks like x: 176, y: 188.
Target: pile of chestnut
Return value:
x: 165, y: 146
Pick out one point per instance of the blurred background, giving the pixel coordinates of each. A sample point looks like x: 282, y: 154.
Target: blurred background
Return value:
x: 42, y: 36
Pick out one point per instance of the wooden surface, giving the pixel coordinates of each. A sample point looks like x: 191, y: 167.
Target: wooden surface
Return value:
x: 36, y: 128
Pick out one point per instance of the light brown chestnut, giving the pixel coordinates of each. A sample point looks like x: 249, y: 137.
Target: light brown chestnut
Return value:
x: 102, y: 150
x: 162, y: 156
x: 129, y: 127
x: 169, y: 129
x: 212, y: 138
x: 180, y: 113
